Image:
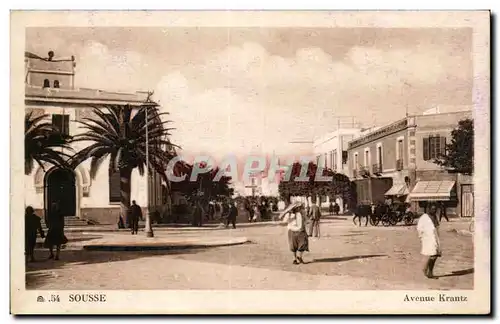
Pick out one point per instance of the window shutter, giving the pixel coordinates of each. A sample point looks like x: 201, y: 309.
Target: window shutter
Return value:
x: 65, y: 124
x: 426, y: 149
x: 114, y: 187
x: 442, y: 145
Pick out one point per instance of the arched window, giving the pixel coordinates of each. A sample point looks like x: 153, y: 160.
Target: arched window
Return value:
x: 46, y: 83
x: 56, y: 84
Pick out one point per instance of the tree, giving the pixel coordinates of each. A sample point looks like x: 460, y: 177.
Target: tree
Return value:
x: 339, y: 185
x: 116, y: 133
x: 459, y: 156
x: 43, y: 143
x: 205, y: 183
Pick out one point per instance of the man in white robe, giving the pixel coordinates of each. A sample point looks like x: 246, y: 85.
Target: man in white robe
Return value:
x: 427, y: 228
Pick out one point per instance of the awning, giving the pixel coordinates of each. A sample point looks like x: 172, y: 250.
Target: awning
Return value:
x: 432, y: 191
x: 397, y: 190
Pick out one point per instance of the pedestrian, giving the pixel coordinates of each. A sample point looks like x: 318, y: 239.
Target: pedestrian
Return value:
x: 233, y: 213
x: 256, y: 213
x: 197, y: 215
x: 336, y: 209
x: 442, y: 212
x: 135, y: 214
x: 217, y: 209
x: 427, y: 228
x: 314, y: 215
x: 55, y: 235
x: 298, y: 241
x: 32, y: 225
x: 330, y: 209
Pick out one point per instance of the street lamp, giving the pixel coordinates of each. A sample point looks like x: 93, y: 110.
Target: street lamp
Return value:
x: 148, y: 228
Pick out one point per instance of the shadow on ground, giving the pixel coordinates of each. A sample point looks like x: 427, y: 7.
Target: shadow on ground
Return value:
x: 37, y: 272
x: 458, y: 273
x: 349, y: 258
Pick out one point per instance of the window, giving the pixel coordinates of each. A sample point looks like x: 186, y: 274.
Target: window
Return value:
x: 56, y: 84
x: 367, y: 158
x: 345, y: 157
x: 61, y: 122
x: 355, y: 166
x: 334, y: 159
x: 379, y: 155
x: 433, y: 147
x: 46, y: 83
x: 114, y: 187
x: 399, y: 149
x: 326, y: 161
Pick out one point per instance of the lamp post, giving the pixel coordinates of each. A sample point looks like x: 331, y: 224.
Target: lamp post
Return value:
x: 148, y: 228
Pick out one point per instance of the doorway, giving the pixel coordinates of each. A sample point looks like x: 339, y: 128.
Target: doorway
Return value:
x: 60, y: 186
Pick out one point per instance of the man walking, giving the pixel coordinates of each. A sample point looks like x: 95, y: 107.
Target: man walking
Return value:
x: 231, y: 218
x: 427, y: 229
x: 135, y: 215
x: 314, y: 215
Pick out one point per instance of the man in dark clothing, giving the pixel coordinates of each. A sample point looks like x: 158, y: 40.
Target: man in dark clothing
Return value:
x: 336, y: 208
x: 32, y: 225
x: 135, y: 215
x: 315, y: 215
x: 231, y: 218
x: 442, y: 212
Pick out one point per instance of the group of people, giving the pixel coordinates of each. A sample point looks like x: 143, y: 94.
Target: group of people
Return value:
x: 54, y: 219
x: 225, y: 211
x: 297, y: 217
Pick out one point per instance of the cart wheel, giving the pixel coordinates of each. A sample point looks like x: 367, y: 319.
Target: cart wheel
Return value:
x: 376, y: 220
x: 385, y: 220
x: 408, y: 219
x: 393, y: 220
x: 354, y: 220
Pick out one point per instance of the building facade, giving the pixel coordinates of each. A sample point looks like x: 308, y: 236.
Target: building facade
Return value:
x: 331, y: 151
x: 404, y: 153
x: 50, y: 89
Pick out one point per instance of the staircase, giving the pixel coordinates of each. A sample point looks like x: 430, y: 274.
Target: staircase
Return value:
x: 70, y: 221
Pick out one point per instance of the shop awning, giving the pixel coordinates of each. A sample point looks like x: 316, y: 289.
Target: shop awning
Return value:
x: 432, y: 191
x: 397, y: 190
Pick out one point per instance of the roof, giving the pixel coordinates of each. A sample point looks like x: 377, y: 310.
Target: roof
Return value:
x: 83, y: 96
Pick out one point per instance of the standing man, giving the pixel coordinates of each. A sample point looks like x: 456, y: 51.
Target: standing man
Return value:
x: 314, y: 215
x: 32, y: 225
x: 427, y: 228
x: 233, y: 212
x: 135, y: 215
x: 442, y: 212
x: 55, y: 236
x: 336, y: 209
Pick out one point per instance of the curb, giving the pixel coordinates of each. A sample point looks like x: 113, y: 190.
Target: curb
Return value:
x: 150, y: 246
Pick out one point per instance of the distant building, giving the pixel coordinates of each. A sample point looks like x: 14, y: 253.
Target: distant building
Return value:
x: 396, y: 162
x: 50, y: 89
x: 331, y: 151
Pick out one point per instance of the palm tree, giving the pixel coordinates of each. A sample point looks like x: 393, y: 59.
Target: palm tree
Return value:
x: 116, y: 134
x: 42, y: 142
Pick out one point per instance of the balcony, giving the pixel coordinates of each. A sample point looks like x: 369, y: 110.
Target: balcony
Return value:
x: 377, y: 168
x: 364, y: 172
x: 399, y: 164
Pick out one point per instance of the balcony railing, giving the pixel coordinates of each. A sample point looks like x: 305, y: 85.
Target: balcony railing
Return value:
x: 377, y: 168
x: 399, y: 164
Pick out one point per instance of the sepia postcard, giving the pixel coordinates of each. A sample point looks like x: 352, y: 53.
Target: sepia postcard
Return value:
x: 250, y: 162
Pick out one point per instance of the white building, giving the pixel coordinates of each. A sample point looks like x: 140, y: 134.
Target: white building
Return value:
x: 331, y: 152
x: 49, y: 89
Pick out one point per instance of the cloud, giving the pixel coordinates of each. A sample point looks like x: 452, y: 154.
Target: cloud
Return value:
x: 244, y: 99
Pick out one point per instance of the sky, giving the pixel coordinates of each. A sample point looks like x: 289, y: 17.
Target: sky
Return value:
x: 245, y: 91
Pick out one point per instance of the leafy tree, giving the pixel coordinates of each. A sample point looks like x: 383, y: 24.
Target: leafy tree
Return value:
x: 205, y: 183
x: 118, y: 134
x: 459, y: 156
x: 339, y: 185
x: 43, y: 143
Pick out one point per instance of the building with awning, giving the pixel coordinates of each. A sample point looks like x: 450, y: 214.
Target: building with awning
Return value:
x: 432, y: 191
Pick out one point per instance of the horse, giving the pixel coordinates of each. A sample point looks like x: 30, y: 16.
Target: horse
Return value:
x: 361, y: 211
